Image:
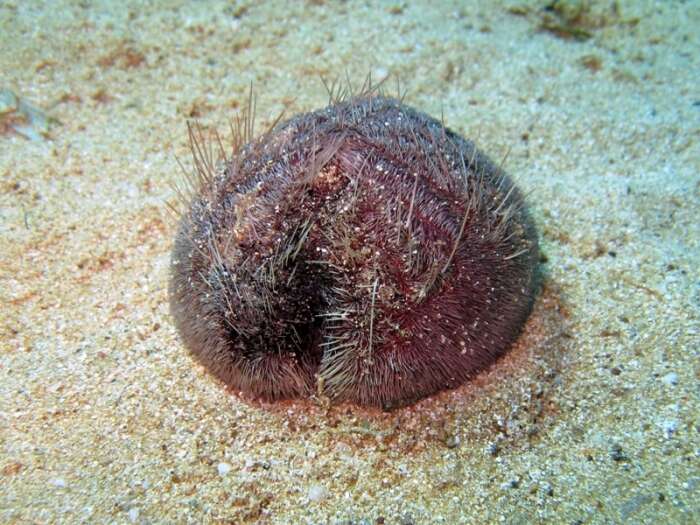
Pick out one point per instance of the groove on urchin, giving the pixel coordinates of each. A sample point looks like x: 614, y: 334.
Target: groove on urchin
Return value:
x: 363, y: 248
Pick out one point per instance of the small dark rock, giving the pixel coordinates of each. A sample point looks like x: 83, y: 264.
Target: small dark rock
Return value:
x: 616, y: 453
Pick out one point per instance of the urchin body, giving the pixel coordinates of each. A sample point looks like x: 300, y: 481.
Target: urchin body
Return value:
x: 363, y: 250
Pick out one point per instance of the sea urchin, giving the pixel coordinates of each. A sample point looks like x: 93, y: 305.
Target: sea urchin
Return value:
x: 362, y: 251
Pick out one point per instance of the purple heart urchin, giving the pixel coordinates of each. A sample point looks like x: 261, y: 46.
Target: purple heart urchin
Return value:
x: 362, y: 251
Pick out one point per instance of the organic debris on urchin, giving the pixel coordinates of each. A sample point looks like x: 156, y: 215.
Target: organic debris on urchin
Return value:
x: 363, y: 252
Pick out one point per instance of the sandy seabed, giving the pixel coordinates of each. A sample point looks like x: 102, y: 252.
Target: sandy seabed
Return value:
x: 591, y: 418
